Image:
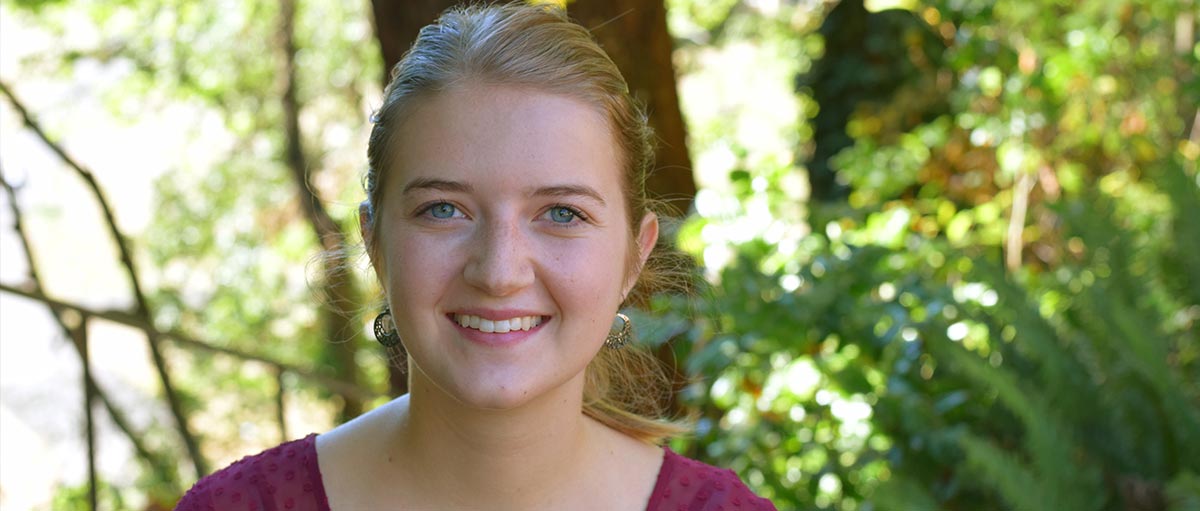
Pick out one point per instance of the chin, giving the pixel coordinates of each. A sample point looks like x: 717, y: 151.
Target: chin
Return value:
x: 498, y: 387
x: 480, y: 392
x: 496, y: 401
x: 484, y: 393
x: 505, y: 395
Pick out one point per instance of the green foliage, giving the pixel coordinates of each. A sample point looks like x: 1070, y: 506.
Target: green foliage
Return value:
x: 1132, y: 417
x: 1038, y: 391
x: 1000, y: 311
x: 37, y: 5
x: 1010, y: 283
x: 77, y: 498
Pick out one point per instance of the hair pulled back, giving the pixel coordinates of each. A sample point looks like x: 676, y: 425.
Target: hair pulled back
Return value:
x: 540, y: 48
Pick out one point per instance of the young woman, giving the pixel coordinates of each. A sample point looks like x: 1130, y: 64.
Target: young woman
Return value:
x: 507, y: 222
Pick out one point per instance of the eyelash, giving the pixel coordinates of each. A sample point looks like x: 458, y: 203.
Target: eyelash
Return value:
x: 574, y: 212
x: 425, y: 210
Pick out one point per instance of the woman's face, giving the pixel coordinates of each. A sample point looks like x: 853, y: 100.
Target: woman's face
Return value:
x: 503, y: 241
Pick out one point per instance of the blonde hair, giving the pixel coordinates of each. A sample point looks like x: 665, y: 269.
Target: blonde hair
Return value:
x: 540, y: 48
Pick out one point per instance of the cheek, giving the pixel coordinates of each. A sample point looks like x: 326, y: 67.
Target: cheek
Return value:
x: 416, y: 268
x: 585, y: 270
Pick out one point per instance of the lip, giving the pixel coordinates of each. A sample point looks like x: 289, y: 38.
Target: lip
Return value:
x: 497, y: 314
x: 494, y: 339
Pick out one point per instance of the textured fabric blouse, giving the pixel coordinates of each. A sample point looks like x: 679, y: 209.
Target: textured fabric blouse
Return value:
x: 287, y: 478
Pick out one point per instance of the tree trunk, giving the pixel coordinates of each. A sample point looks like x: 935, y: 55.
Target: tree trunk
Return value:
x: 397, y: 24
x: 342, y: 330
x: 868, y: 57
x: 634, y: 33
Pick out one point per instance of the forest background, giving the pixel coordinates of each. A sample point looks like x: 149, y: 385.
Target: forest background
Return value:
x: 951, y: 247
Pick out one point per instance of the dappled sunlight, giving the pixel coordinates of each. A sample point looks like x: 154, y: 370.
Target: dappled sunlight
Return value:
x: 949, y: 247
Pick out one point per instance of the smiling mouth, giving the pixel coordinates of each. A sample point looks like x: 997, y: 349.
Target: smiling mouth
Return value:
x: 521, y: 323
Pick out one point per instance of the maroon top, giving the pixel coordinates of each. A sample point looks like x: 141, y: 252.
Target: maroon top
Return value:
x: 287, y: 478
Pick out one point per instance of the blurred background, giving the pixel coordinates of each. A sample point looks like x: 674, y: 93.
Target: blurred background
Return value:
x: 952, y: 247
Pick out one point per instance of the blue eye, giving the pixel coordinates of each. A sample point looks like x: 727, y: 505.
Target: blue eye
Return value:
x: 562, y: 214
x: 442, y: 210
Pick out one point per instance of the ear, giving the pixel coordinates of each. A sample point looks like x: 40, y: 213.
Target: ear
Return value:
x: 366, y: 227
x: 647, y: 238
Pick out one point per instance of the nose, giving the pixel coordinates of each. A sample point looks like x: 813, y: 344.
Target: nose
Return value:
x: 499, y: 262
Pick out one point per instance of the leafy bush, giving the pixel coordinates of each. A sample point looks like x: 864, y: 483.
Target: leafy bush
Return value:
x: 1002, y: 311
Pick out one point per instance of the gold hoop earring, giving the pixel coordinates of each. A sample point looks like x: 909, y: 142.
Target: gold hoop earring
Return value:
x: 621, y: 332
x: 385, y: 329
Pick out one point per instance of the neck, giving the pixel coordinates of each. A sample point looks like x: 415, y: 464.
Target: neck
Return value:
x: 496, y: 459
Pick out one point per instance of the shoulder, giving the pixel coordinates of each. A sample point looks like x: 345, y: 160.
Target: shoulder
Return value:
x: 283, y: 477
x: 687, y: 484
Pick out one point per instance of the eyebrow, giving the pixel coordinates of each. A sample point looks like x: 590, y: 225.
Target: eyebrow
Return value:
x: 568, y: 191
x: 427, y: 183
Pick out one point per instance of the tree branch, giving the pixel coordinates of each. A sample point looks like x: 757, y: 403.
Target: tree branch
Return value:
x: 143, y: 308
x: 280, y: 410
x: 339, y: 387
x: 156, y: 463
x: 80, y: 338
x: 1014, y: 242
x: 90, y: 180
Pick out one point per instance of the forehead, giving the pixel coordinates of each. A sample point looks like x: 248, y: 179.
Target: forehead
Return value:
x: 500, y: 135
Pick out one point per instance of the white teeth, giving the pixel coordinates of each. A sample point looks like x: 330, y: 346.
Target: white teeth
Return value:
x: 499, y: 326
